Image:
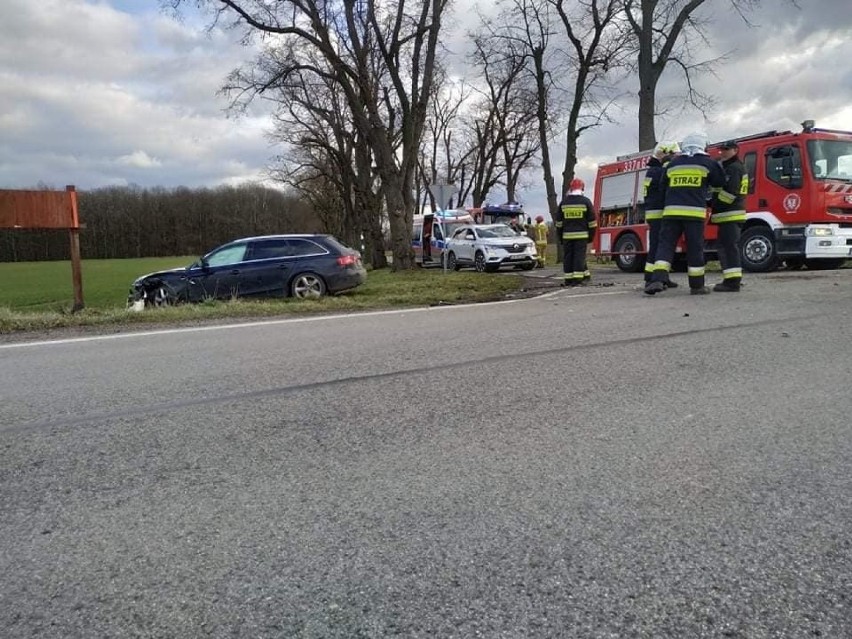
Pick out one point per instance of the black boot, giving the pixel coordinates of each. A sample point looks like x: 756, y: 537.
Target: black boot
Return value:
x: 699, y: 291
x: 652, y: 288
x: 727, y: 286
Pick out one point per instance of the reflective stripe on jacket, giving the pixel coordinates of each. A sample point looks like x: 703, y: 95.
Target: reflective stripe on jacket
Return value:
x: 686, y: 184
x: 575, y: 219
x: 729, y: 200
x: 653, y: 194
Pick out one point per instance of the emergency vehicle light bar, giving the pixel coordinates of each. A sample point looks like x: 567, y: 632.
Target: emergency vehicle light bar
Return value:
x: 630, y: 156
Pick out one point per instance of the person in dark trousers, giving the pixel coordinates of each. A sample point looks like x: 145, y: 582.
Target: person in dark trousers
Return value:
x: 728, y: 211
x: 575, y: 224
x: 653, y: 198
x: 687, y: 182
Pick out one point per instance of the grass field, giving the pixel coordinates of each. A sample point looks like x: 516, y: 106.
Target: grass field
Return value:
x: 44, y: 286
x: 39, y: 295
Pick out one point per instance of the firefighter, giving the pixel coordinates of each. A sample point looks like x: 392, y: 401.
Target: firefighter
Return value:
x: 653, y: 196
x: 686, y: 183
x: 728, y: 211
x: 540, y: 238
x: 575, y: 225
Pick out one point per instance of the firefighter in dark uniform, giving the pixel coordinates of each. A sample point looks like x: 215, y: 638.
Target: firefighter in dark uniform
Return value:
x: 687, y: 182
x: 575, y: 224
x: 653, y: 198
x: 728, y: 211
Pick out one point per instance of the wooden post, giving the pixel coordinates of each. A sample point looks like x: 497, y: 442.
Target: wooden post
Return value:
x: 76, y: 261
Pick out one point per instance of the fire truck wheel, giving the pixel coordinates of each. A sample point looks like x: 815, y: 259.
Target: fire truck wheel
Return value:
x: 629, y: 243
x: 757, y: 249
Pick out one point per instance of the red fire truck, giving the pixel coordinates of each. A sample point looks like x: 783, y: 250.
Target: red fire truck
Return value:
x: 799, y: 202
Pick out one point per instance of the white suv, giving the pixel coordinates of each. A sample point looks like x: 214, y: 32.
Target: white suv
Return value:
x: 487, y: 247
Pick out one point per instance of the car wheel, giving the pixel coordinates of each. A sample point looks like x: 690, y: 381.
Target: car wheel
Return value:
x: 479, y: 262
x: 451, y: 261
x: 629, y: 243
x: 528, y: 267
x: 307, y: 285
x: 757, y: 249
x: 163, y: 295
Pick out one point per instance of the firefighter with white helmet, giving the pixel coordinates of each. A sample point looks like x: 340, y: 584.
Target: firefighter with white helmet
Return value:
x: 686, y: 182
x: 575, y: 226
x: 653, y: 198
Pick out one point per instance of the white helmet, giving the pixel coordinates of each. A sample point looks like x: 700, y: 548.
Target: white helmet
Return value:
x: 694, y: 143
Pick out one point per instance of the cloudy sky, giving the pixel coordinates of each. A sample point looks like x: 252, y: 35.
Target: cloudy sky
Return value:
x: 114, y: 92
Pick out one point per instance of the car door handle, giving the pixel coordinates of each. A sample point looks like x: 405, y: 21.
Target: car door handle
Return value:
x: 235, y: 271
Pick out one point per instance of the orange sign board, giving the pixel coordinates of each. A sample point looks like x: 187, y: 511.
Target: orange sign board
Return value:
x: 39, y: 209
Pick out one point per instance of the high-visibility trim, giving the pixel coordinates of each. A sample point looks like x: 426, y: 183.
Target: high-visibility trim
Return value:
x: 662, y: 265
x: 587, y: 273
x: 578, y: 276
x: 695, y: 271
x: 725, y: 197
x: 575, y: 235
x: 649, y: 268
x: 686, y: 176
x: 677, y: 210
x: 732, y: 273
x: 568, y: 276
x: 654, y: 214
x: 593, y: 225
x: 646, y: 184
x: 744, y: 185
x: 728, y: 216
x: 574, y: 211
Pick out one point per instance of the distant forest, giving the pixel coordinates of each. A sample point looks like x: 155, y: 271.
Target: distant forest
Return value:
x: 129, y: 222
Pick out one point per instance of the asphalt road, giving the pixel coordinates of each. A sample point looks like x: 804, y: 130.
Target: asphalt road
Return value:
x: 590, y: 463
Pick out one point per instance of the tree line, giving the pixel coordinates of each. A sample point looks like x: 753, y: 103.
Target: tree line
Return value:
x: 129, y: 222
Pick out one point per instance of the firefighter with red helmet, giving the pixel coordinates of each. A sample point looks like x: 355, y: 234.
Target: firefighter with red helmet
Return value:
x: 575, y: 226
x: 728, y: 211
x: 687, y: 182
x: 653, y: 198
x: 540, y: 238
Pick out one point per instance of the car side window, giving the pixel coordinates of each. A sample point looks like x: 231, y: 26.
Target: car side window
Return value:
x: 470, y: 235
x: 459, y: 234
x: 228, y: 255
x: 299, y: 247
x: 268, y: 249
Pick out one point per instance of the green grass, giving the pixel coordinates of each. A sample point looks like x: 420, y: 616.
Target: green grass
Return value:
x: 38, y: 295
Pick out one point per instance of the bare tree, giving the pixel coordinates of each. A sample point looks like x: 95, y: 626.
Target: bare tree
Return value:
x: 354, y: 38
x: 506, y: 126
x: 445, y: 153
x: 663, y: 31
x: 598, y: 48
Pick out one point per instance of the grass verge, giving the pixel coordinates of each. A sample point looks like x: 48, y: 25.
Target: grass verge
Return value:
x: 31, y: 306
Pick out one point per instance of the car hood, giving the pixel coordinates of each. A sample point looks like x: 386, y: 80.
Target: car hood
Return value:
x: 508, y: 241
x: 159, y: 274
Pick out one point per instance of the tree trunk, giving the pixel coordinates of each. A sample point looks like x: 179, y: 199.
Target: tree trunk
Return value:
x: 647, y: 106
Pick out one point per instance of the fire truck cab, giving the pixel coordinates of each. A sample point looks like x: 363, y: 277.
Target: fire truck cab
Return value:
x: 799, y: 202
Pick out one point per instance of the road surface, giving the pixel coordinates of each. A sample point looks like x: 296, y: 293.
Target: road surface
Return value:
x: 589, y: 463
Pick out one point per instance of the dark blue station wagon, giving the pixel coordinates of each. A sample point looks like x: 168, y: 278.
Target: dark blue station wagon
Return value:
x: 267, y: 266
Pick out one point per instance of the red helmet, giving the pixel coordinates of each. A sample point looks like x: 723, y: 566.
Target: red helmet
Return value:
x: 577, y: 185
x: 539, y: 218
